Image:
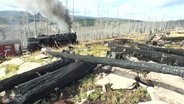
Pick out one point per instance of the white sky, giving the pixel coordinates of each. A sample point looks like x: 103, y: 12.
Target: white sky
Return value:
x: 130, y: 9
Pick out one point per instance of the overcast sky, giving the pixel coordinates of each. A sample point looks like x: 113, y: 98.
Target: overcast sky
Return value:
x: 132, y: 9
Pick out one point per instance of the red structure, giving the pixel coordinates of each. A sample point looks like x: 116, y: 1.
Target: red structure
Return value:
x: 10, y: 47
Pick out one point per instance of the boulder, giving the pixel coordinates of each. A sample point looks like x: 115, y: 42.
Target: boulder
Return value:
x: 117, y: 81
x: 28, y: 66
x: 102, y: 82
x: 14, y: 61
x: 151, y: 91
x: 120, y: 82
x: 165, y: 95
x: 124, y: 72
x: 168, y: 81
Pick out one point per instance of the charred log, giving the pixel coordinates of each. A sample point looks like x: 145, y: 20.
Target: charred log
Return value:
x: 121, y: 41
x: 37, y: 88
x: 9, y: 83
x: 147, y: 55
x: 151, y: 48
x: 164, y: 50
x: 142, y: 66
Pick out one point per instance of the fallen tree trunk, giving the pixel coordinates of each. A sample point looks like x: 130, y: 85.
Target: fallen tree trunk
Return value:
x: 146, y: 47
x: 26, y: 76
x: 164, y: 50
x: 148, y: 55
x: 37, y: 88
x: 143, y: 66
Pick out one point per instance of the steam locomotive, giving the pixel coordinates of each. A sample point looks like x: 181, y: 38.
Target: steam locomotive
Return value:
x: 55, y: 40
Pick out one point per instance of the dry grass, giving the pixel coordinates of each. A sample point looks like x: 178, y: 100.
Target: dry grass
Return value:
x: 176, y: 35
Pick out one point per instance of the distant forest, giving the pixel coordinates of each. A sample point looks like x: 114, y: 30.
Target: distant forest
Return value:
x: 16, y: 24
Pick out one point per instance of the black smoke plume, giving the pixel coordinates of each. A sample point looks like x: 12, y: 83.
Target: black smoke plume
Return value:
x: 51, y: 9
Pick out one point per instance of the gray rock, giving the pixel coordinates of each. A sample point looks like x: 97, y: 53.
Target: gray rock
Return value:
x: 124, y: 72
x: 14, y: 61
x: 28, y: 66
x: 119, y: 82
x: 168, y: 81
x: 165, y: 95
x: 102, y: 81
x: 152, y: 91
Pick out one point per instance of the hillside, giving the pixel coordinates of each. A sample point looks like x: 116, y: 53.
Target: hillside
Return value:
x: 18, y: 17
x: 14, y: 17
x: 11, y: 17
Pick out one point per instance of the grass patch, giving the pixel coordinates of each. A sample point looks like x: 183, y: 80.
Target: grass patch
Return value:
x: 10, y: 71
x: 31, y: 58
x: 8, y: 75
x: 140, y: 38
x: 94, y: 50
x: 176, y: 35
x: 11, y: 68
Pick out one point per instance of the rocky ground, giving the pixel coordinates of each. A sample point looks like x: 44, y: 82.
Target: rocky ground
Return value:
x: 106, y: 84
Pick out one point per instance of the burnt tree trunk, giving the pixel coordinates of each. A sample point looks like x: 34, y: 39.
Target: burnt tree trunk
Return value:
x: 142, y: 66
x: 146, y: 47
x: 26, y: 76
x: 148, y: 55
x: 164, y: 50
x: 37, y: 88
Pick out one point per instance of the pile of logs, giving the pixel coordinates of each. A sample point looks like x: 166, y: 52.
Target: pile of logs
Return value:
x: 149, y: 55
x: 38, y: 83
x: 144, y: 52
x: 37, y: 88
